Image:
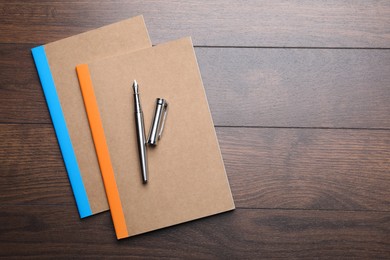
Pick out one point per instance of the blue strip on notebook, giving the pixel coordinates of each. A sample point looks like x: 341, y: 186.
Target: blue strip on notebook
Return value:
x: 61, y: 130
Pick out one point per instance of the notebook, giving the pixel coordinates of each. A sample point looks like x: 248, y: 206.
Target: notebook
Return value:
x: 187, y: 178
x: 55, y: 64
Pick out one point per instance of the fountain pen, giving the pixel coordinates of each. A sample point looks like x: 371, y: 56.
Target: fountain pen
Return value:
x: 140, y: 129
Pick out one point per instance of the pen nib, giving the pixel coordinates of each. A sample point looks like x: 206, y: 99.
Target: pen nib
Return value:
x: 135, y: 87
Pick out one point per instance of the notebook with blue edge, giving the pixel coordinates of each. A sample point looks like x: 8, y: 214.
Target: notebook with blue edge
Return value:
x: 55, y: 63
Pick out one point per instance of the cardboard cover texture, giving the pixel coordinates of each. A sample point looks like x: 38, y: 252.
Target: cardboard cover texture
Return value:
x: 187, y: 178
x: 61, y: 59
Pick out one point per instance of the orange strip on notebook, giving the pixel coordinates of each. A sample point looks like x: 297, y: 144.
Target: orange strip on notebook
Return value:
x: 103, y: 155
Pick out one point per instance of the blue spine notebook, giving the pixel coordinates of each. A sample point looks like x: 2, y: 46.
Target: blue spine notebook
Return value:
x: 56, y: 65
x: 61, y: 130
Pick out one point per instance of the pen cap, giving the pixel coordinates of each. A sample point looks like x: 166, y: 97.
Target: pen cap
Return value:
x: 158, y: 122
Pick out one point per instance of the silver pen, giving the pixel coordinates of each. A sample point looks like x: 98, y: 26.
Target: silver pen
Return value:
x: 139, y: 123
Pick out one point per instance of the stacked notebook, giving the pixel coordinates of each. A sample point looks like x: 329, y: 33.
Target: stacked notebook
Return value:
x: 87, y: 81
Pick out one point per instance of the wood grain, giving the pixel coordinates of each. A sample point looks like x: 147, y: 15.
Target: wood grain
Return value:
x: 21, y: 95
x: 308, y: 168
x: 31, y: 166
x: 267, y: 168
x: 297, y: 87
x: 360, y: 23
x: 248, y: 87
x: 242, y: 233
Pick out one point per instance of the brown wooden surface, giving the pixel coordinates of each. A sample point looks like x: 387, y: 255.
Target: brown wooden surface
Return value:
x: 296, y: 23
x: 300, y: 96
x: 251, y: 233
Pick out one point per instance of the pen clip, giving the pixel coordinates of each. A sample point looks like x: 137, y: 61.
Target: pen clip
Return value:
x: 158, y: 122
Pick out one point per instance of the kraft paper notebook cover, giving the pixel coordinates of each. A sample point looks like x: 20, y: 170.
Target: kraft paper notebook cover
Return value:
x: 56, y: 63
x: 187, y: 178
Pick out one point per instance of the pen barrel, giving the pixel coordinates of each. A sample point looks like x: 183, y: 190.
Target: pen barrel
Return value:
x: 141, y: 145
x: 137, y: 104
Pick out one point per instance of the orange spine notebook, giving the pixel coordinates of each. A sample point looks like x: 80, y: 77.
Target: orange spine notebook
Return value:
x: 187, y: 178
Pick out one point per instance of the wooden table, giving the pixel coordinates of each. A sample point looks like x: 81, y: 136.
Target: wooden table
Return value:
x: 300, y: 96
